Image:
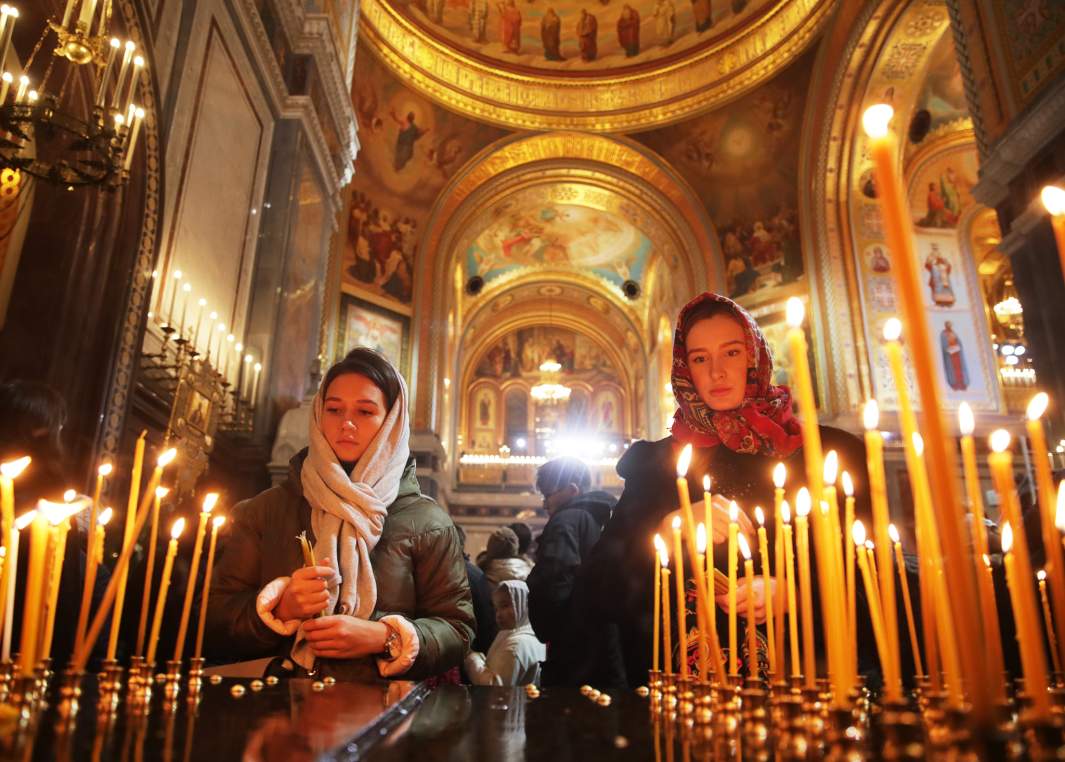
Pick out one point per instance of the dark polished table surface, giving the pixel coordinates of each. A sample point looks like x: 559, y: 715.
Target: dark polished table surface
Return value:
x: 347, y: 721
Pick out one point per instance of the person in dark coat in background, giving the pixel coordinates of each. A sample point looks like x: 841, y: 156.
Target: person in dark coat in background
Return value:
x: 740, y: 426
x: 579, y: 651
x: 483, y: 609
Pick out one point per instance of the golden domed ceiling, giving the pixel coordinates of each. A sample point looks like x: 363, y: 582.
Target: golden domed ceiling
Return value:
x: 605, y: 66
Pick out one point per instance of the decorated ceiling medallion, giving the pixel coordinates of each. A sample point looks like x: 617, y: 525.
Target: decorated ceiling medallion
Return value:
x: 611, y: 66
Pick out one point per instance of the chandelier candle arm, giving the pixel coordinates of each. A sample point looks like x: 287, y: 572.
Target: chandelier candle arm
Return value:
x: 105, y: 17
x: 88, y: 9
x: 138, y: 64
x: 112, y: 53
x: 68, y: 13
x: 127, y: 56
x: 23, y: 85
x: 9, y: 17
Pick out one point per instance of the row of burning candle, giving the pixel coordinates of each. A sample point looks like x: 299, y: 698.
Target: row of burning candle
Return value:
x: 48, y: 526
x: 232, y: 362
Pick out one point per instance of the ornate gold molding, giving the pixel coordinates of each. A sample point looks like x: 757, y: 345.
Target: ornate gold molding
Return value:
x: 599, y: 101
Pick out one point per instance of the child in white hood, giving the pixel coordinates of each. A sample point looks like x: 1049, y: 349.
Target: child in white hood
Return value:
x: 515, y: 655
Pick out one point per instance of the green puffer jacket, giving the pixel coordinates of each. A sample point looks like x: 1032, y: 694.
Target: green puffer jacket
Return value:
x: 417, y: 563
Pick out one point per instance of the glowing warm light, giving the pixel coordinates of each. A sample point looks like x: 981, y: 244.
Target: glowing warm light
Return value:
x: 1059, y: 515
x: 700, y: 537
x: 684, y: 461
x: 795, y: 312
x: 663, y: 552
x: 178, y: 528
x: 966, y: 420
x: 785, y: 512
x: 166, y: 458
x: 105, y: 469
x: 745, y: 549
x: 1053, y: 199
x: 706, y: 483
x: 848, y: 484
x: 733, y: 511
x: 1007, y: 537
x: 1041, y: 575
x: 161, y: 492
x: 218, y: 521
x: 13, y: 468
x: 803, y: 503
x: 25, y: 520
x: 1038, y: 406
x: 105, y: 516
x: 210, y: 501
x: 824, y: 507
x: 780, y: 475
x: 69, y: 495
x: 831, y: 467
x: 759, y: 515
x: 893, y: 533
x: 892, y: 329
x: 858, y: 532
x: 871, y: 415
x: 676, y: 522
x: 918, y: 444
x: 876, y: 119
x: 987, y: 560
x: 999, y: 440
x: 870, y: 546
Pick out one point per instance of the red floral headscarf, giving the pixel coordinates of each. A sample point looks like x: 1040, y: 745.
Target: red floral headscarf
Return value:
x: 763, y: 423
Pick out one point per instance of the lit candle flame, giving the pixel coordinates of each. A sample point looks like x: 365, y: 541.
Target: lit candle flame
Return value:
x: 105, y: 469
x: 1038, y: 406
x: 25, y: 520
x: 1053, y: 199
x: 824, y: 507
x: 871, y: 415
x: 831, y: 467
x: 166, y: 458
x: 966, y: 420
x: 848, y: 484
x: 918, y: 444
x: 999, y: 440
x: 869, y: 546
x: 1041, y: 575
x: 1059, y: 515
x: 785, y: 512
x: 858, y: 532
x: 876, y: 118
x: 733, y: 511
x: 676, y: 523
x: 210, y: 501
x: 684, y: 461
x: 987, y: 560
x: 802, y: 502
x: 105, y: 516
x: 795, y: 312
x: 13, y: 468
x: 706, y: 483
x: 780, y: 475
x: 1007, y: 537
x: 893, y: 533
x: 892, y: 329
x: 700, y: 538
x: 218, y: 521
x: 161, y: 492
x: 69, y: 495
x: 759, y: 515
x: 745, y: 549
x: 177, y: 528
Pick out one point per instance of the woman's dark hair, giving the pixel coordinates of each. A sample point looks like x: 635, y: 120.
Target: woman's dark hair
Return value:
x: 32, y: 416
x: 524, y: 533
x: 373, y: 365
x: 705, y: 311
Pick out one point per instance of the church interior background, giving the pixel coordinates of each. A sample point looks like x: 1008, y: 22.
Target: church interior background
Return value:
x: 513, y: 200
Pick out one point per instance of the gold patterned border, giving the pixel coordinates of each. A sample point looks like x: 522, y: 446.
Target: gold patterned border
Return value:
x: 617, y: 102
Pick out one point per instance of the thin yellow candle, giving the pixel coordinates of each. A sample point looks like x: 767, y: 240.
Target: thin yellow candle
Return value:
x: 748, y: 578
x: 984, y: 582
x: 33, y: 602
x: 911, y: 624
x: 780, y: 477
x: 60, y: 521
x: 849, y: 558
x: 873, y: 599
x: 216, y: 524
x: 733, y: 547
x: 1048, y: 620
x: 209, y: 503
x: 841, y: 663
x: 1053, y: 199
x: 802, y: 546
x: 701, y: 610
x: 802, y: 384
x: 128, y: 540
x: 1055, y: 561
x: 770, y: 625
x: 702, y: 594
x: 149, y: 569
x: 86, y: 591
x: 1028, y: 640
x: 8, y: 473
x: 164, y: 584
x: 962, y: 603
x: 659, y: 548
x: 789, y: 573
x: 682, y: 607
x: 667, y: 644
x: 12, y: 563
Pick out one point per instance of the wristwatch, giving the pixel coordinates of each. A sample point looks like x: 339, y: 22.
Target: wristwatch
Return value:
x: 391, y: 649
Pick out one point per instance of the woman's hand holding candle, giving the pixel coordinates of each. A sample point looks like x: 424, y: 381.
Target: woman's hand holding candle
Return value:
x: 307, y: 592
x: 758, y: 590
x: 340, y: 636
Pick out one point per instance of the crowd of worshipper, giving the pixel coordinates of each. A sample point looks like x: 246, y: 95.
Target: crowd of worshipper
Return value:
x: 391, y: 592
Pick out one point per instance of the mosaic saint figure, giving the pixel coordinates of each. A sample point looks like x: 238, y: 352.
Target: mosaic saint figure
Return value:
x: 478, y: 19
x: 510, y: 26
x: 551, y: 35
x: 956, y: 370
x: 587, y: 31
x: 665, y: 21
x: 939, y: 268
x: 409, y: 134
x: 703, y: 15
x: 629, y: 31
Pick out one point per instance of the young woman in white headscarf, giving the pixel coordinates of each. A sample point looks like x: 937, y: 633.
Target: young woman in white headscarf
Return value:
x: 388, y: 594
x: 515, y: 655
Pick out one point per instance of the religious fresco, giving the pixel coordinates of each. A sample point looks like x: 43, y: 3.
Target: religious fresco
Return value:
x: 743, y: 161
x: 483, y: 418
x: 1030, y: 34
x: 366, y: 325
x: 568, y: 35
x: 525, y: 232
x: 410, y: 148
x: 943, y: 190
x: 520, y: 354
x: 942, y: 96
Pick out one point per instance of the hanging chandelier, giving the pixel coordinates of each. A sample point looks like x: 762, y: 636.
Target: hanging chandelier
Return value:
x: 550, y: 390
x: 45, y: 132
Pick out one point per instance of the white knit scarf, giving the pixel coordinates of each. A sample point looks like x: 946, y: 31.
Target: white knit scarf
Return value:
x: 348, y: 510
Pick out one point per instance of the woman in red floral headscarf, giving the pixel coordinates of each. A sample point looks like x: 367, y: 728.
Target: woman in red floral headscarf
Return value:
x: 740, y: 426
